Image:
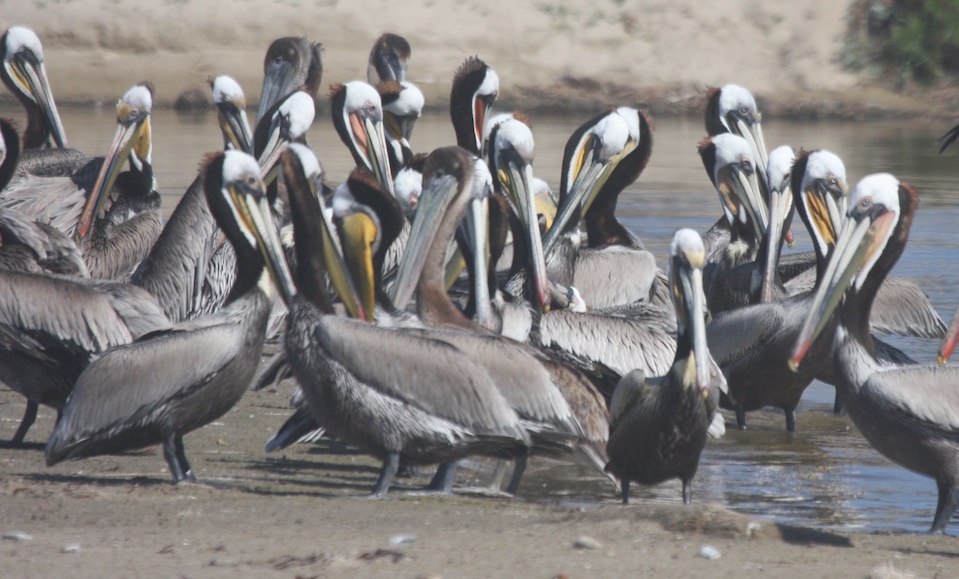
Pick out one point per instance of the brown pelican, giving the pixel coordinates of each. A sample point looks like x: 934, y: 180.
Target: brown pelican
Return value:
x: 26, y: 245
x: 389, y: 59
x: 472, y: 94
x: 24, y: 74
x: 752, y: 343
x: 658, y: 426
x: 536, y: 386
x: 291, y: 63
x: 908, y: 413
x: 730, y: 165
x: 402, y: 105
x: 732, y: 109
x: 190, y: 268
x: 602, y: 157
x: 172, y: 382
x: 386, y: 409
x: 114, y: 217
x: 603, y: 346
x: 230, y: 103
x: 358, y: 118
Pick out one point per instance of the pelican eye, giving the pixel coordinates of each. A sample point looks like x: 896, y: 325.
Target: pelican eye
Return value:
x: 251, y: 180
x: 865, y: 202
x: 743, y: 109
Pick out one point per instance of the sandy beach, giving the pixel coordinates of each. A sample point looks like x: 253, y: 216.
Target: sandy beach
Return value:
x: 302, y: 513
x: 559, y: 55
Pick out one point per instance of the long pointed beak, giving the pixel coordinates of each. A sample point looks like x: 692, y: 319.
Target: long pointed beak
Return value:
x: 692, y: 306
x: 432, y: 206
x: 370, y: 141
x: 33, y: 78
x: 236, y: 128
x: 339, y: 273
x: 357, y: 233
x: 774, y: 236
x: 741, y: 198
x: 752, y: 131
x: 269, y: 158
x: 259, y: 220
x: 476, y: 224
x: 850, y: 254
x: 516, y: 182
x: 949, y: 342
x: 825, y: 214
x: 276, y: 80
x: 124, y: 140
x: 591, y: 173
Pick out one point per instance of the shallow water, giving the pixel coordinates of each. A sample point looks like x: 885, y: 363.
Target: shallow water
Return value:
x: 825, y: 475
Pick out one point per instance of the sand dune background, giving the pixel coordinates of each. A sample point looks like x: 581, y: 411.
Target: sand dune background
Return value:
x: 550, y: 50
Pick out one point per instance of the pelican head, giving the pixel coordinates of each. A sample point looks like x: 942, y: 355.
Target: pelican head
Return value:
x: 447, y: 191
x: 358, y: 118
x: 402, y: 105
x: 592, y: 153
x: 24, y: 74
x: 291, y: 63
x: 728, y: 160
x: 872, y: 220
x: 510, y: 161
x: 475, y: 88
x: 288, y: 123
x: 230, y: 105
x: 237, y: 199
x: 389, y: 59
x: 780, y: 212
x: 819, y: 183
x: 687, y: 256
x: 732, y: 109
x: 132, y: 141
x: 408, y: 184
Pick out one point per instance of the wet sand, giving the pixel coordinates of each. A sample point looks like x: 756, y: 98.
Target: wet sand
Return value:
x: 305, y: 512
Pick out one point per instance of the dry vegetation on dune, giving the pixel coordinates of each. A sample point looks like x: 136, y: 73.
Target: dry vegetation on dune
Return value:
x: 553, y: 54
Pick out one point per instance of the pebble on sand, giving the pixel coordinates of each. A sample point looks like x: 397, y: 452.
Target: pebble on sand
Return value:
x: 587, y: 543
x: 71, y: 548
x: 17, y: 536
x: 709, y: 552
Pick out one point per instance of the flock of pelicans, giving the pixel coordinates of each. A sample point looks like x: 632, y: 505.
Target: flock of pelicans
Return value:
x: 435, y: 307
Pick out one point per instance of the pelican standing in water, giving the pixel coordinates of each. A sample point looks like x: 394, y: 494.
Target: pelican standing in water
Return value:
x: 658, y: 426
x: 910, y: 414
x: 26, y: 77
x: 387, y: 409
x: 162, y: 387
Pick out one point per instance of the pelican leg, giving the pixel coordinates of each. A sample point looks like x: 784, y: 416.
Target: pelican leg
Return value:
x: 169, y: 454
x: 687, y: 492
x: 28, y: 419
x: 390, y: 466
x: 185, y: 467
x: 838, y: 408
x: 948, y: 501
x: 519, y: 467
x: 624, y: 483
x: 740, y: 417
x: 497, y: 481
x: 790, y: 419
x: 443, y: 479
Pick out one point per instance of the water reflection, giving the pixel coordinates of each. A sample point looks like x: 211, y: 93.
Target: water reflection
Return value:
x: 825, y: 475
